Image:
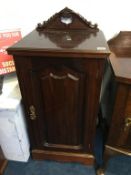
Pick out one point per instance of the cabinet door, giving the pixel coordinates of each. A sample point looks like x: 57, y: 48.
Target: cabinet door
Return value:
x: 120, y: 130
x: 57, y: 93
x: 127, y: 122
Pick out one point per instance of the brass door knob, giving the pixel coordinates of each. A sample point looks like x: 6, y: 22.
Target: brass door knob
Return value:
x: 127, y: 123
x: 32, y: 112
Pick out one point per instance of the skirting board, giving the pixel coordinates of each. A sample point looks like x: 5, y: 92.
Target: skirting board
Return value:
x: 86, y: 159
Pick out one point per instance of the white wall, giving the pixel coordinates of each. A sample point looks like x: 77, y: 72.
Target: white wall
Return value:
x: 111, y: 16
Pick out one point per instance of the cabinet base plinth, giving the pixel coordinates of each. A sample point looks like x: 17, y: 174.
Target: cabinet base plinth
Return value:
x: 86, y: 159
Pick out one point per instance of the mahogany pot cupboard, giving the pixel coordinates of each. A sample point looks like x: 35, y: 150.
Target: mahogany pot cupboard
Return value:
x: 60, y: 67
x: 116, y: 96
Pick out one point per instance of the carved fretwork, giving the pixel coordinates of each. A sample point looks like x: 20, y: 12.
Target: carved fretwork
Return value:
x: 67, y: 19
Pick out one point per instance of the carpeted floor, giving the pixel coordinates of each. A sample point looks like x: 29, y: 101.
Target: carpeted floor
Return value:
x: 119, y: 165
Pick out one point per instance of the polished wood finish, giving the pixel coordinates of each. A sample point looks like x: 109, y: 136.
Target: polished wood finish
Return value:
x: 86, y: 159
x: 60, y: 73
x: 116, y: 104
x: 120, y: 44
x: 87, y: 42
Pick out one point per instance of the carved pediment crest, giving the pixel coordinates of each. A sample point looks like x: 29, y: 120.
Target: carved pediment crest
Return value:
x: 67, y: 19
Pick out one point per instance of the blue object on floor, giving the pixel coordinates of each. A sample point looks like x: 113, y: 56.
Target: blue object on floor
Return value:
x: 99, y: 147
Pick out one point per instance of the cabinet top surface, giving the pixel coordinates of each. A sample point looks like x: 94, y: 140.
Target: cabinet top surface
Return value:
x: 120, y: 57
x: 68, y: 41
x: 65, y: 32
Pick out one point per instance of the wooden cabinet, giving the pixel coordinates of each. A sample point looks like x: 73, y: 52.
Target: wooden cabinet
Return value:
x: 116, y: 100
x: 60, y: 67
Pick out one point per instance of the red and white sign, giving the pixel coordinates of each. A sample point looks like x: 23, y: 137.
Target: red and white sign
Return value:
x: 7, y: 38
